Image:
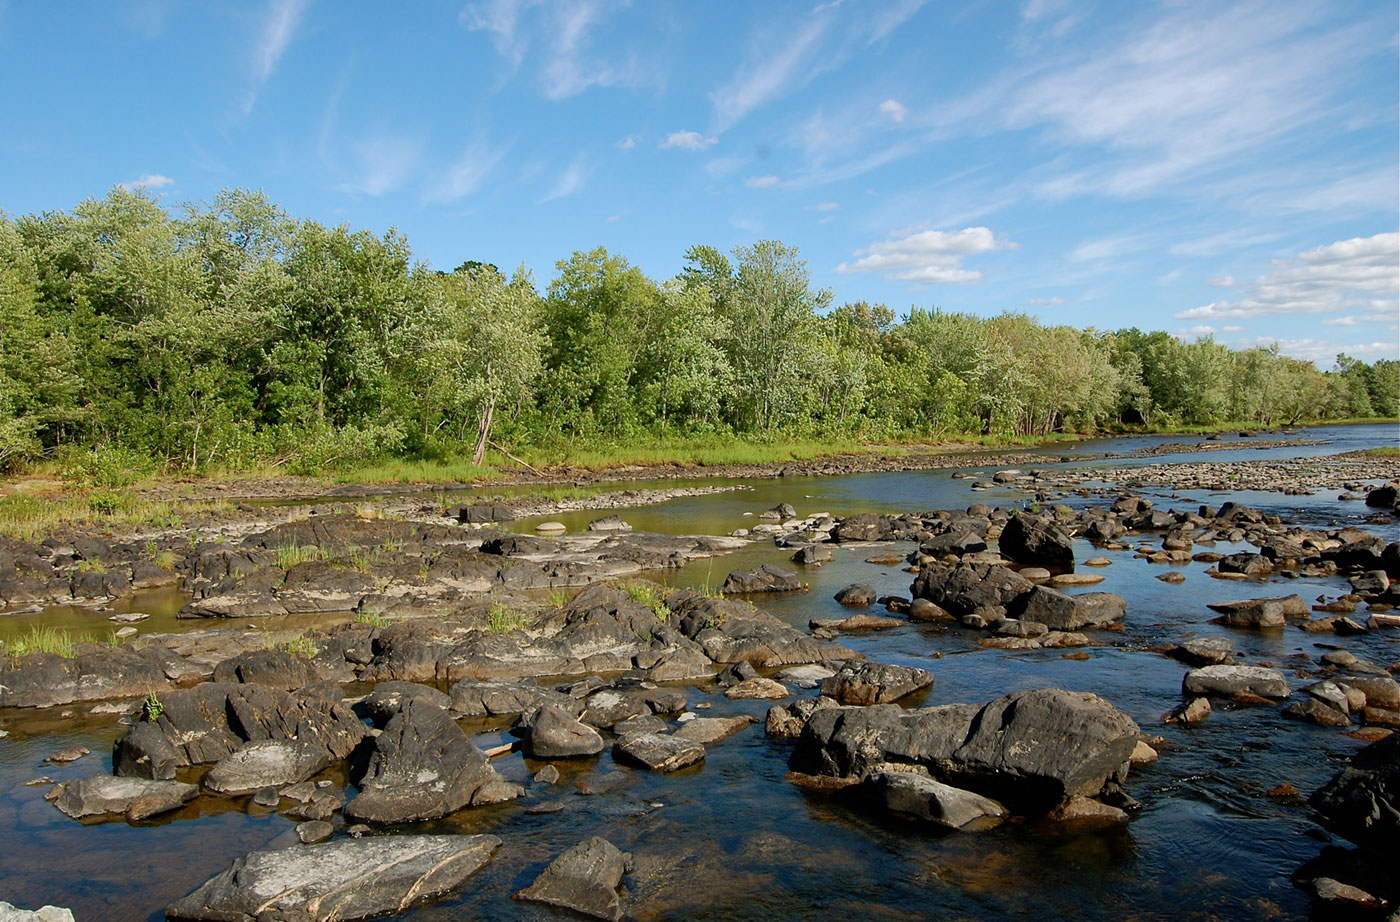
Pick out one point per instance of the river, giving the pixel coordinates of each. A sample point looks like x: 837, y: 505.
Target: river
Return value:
x: 730, y: 839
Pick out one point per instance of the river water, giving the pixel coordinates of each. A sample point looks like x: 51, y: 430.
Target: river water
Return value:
x: 730, y: 839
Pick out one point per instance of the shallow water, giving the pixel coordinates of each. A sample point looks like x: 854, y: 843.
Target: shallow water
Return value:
x: 730, y: 839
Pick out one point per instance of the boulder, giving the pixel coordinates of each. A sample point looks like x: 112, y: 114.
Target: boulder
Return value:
x: 856, y: 595
x: 1362, y: 801
x: 145, y: 752
x: 1256, y: 566
x: 265, y: 763
x: 811, y: 555
x: 1030, y: 751
x: 874, y: 683
x: 969, y: 586
x: 109, y: 796
x: 1235, y: 682
x: 552, y: 733
x: 913, y: 794
x: 710, y: 730
x: 1062, y: 612
x: 1253, y: 613
x: 341, y: 880
x: 757, y: 689
x: 584, y: 879
x: 276, y: 668
x: 9, y: 913
x: 657, y: 751
x: 1204, y: 651
x: 766, y: 578
x: 423, y: 767
x: 1035, y: 541
x: 477, y: 698
x: 609, y: 523
x: 388, y: 698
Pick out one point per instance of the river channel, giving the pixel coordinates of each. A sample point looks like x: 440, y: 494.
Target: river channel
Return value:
x: 731, y: 839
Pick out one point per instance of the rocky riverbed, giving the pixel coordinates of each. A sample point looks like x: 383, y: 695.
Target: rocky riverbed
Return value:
x: 485, y: 687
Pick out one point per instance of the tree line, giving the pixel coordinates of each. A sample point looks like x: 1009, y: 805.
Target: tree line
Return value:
x: 229, y: 334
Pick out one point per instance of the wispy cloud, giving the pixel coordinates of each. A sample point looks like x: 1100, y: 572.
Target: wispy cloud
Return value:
x: 930, y: 257
x: 382, y: 163
x: 894, y: 110
x: 771, y: 69
x: 467, y: 173
x: 1056, y: 301
x: 686, y: 140
x: 824, y: 206
x: 564, y: 29
x: 1363, y: 272
x: 570, y: 181
x: 283, y: 17
x: 629, y: 142
x: 761, y: 182
x: 1219, y: 244
x: 1322, y: 352
x: 148, y: 181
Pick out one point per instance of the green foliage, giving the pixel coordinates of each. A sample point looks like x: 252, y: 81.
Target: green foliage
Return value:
x: 300, y: 646
x: 151, y: 707
x: 499, y: 619
x: 41, y: 639
x: 228, y: 336
x: 653, y: 597
x: 289, y: 555
x: 370, y: 617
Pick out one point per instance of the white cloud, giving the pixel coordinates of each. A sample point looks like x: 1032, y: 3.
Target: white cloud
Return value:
x: 771, y: 69
x: 466, y: 175
x: 1110, y: 247
x: 1193, y: 333
x: 761, y: 182
x: 1360, y: 272
x: 382, y: 163
x: 1218, y: 244
x: 629, y: 142
x: 1322, y: 352
x: 283, y: 16
x: 1056, y: 301
x: 824, y: 206
x: 928, y: 257
x: 612, y: 219
x: 1224, y: 281
x: 686, y: 140
x: 564, y: 28
x: 570, y: 181
x: 148, y: 181
x: 894, y: 110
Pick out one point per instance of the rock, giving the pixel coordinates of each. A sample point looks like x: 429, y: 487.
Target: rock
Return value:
x: 1255, y: 613
x: 788, y: 722
x: 1082, y: 812
x: 1380, y: 691
x: 757, y: 688
x: 657, y: 751
x: 924, y: 610
x: 547, y: 775
x: 551, y: 733
x: 1073, y: 579
x: 314, y: 831
x: 782, y: 512
x: 276, y: 668
x: 423, y: 767
x: 145, y: 752
x: 1386, y: 496
x: 1204, y: 651
x: 48, y: 680
x: 1362, y: 801
x: 1063, y: 612
x: 913, y: 794
x: 1143, y: 755
x: 1319, y: 712
x: 810, y: 676
x: 856, y: 595
x: 1032, y: 540
x: 766, y: 578
x: 1190, y: 713
x: 611, y: 523
x: 387, y: 698
x: 733, y: 675
x: 261, y: 763
x: 476, y: 698
x: 1251, y: 565
x: 68, y: 754
x: 969, y: 587
x: 710, y: 730
x: 584, y: 879
x: 812, y: 555
x: 1235, y: 682
x: 1030, y: 751
x: 341, y: 880
x: 874, y: 683
x: 108, y: 795
x: 9, y: 913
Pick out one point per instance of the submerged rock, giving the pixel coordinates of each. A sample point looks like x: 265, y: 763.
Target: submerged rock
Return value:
x: 875, y: 683
x: 1235, y: 682
x: 1362, y: 801
x: 657, y: 751
x: 913, y: 794
x: 342, y: 880
x: 551, y: 733
x: 766, y: 578
x: 108, y: 795
x: 584, y: 879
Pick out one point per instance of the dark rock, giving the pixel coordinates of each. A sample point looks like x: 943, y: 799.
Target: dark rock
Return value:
x: 388, y: 698
x: 736, y: 673
x: 476, y: 698
x: 145, y: 752
x: 1362, y: 801
x: 710, y: 730
x: 1315, y: 711
x: 766, y: 578
x: 1386, y: 496
x: 1062, y: 612
x: 47, y: 680
x: 1252, y: 565
x: 874, y: 683
x: 551, y: 733
x: 259, y: 764
x: 968, y: 587
x: 956, y: 543
x: 584, y: 879
x: 1035, y: 541
x: 423, y: 767
x: 812, y: 554
x: 342, y: 880
x: 1204, y: 651
x: 611, y: 523
x: 856, y: 595
x: 276, y: 668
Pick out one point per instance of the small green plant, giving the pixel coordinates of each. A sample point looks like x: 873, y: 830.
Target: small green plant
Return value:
x: 41, y: 639
x: 91, y: 565
x: 303, y: 646
x: 652, y: 597
x: 558, y: 598
x: 105, y: 502
x: 370, y: 617
x: 151, y: 707
x: 163, y: 559
x: 289, y: 555
x: 501, y: 620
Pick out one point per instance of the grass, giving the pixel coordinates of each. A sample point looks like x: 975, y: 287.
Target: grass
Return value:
x: 558, y: 598
x: 289, y: 555
x: 370, y: 617
x: 653, y: 597
x: 42, y: 639
x: 1384, y: 451
x: 91, y: 565
x: 30, y: 516
x: 501, y: 620
x: 304, y: 646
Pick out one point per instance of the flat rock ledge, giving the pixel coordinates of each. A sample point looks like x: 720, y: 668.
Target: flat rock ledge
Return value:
x: 584, y: 879
x: 109, y: 797
x: 9, y: 913
x: 340, y: 880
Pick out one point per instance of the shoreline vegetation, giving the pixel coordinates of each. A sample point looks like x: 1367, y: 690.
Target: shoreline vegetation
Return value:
x: 153, y: 357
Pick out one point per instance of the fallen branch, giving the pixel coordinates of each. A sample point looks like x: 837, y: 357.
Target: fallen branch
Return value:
x: 513, y: 458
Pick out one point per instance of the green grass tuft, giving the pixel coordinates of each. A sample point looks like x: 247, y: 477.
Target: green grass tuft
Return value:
x: 42, y: 639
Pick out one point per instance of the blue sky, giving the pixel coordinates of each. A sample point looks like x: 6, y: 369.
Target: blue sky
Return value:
x: 1218, y: 167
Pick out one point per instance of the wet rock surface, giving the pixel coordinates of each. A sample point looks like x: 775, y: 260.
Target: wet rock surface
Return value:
x: 341, y: 880
x: 585, y: 880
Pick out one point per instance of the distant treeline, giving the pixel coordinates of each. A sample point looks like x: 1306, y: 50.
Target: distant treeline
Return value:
x: 230, y: 334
